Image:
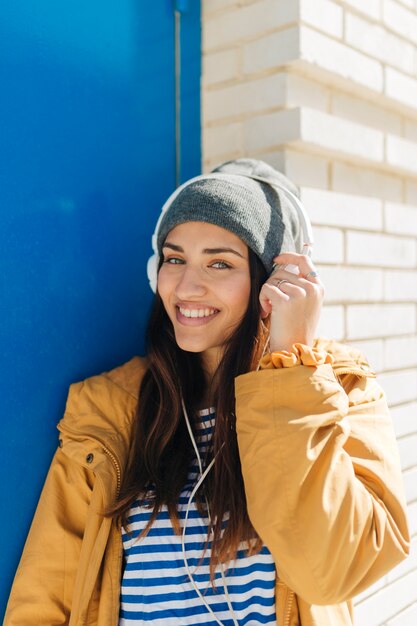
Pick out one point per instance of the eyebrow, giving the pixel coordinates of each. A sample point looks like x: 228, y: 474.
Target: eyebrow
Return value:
x: 173, y: 246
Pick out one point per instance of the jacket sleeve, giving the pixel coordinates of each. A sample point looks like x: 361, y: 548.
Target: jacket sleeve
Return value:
x: 43, y: 586
x: 322, y: 477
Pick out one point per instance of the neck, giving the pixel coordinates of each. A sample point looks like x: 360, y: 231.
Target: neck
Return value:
x: 210, y: 361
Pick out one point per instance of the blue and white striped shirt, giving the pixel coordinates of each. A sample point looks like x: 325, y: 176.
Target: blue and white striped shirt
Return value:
x: 156, y: 588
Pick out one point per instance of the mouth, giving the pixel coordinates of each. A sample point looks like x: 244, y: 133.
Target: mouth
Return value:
x: 195, y: 317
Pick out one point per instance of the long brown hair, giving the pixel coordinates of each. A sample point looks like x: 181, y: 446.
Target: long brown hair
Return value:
x: 162, y: 452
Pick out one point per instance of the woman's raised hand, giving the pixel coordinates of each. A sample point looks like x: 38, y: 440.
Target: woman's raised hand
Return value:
x: 294, y: 305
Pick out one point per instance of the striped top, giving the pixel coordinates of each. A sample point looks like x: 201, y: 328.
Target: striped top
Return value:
x: 156, y: 588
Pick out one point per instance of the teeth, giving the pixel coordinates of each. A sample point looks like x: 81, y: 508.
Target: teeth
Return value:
x: 197, y: 312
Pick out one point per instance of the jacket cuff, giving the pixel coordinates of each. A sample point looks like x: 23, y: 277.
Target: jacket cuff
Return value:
x: 300, y: 354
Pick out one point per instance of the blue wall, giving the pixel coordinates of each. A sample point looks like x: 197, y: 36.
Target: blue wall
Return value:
x: 87, y: 127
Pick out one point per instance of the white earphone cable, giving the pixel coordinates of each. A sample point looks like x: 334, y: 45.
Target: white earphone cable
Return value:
x: 193, y: 492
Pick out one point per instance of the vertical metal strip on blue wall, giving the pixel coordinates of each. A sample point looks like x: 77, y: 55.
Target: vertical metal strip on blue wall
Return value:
x: 87, y: 126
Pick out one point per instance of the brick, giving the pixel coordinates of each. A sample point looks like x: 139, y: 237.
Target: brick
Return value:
x: 400, y: 87
x: 400, y: 285
x: 272, y: 129
x: 323, y: 15
x: 381, y: 250
x: 366, y: 113
x: 248, y: 97
x: 212, y: 6
x: 401, y: 352
x: 365, y: 321
x: 254, y: 95
x: 407, y: 3
x: 399, y: 386
x: 341, y: 136
x: 374, y: 352
x: 362, y: 181
x: 403, y: 417
x: 245, y: 22
x: 371, y: 8
x: 410, y: 130
x: 410, y: 482
x: 301, y: 167
x: 411, y: 192
x: 331, y: 323
x: 314, y: 128
x: 405, y: 618
x: 374, y: 40
x: 401, y: 153
x: 400, y: 218
x: 387, y: 602
x: 328, y: 245
x: 222, y: 140
x: 344, y: 210
x: 219, y: 67
x: 407, y: 447
x: 271, y: 51
x: 412, y: 512
x: 304, y: 92
x: 399, y: 19
x: 339, y: 59
x: 346, y: 284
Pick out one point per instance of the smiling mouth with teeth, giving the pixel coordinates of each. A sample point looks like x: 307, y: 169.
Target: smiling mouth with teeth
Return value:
x: 197, y: 312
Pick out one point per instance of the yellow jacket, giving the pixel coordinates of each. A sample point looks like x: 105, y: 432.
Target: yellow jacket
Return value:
x: 322, y: 478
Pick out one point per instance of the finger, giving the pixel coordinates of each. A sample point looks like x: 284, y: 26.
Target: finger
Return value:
x: 285, y: 288
x: 296, y: 279
x: 268, y: 293
x: 276, y: 267
x: 302, y: 261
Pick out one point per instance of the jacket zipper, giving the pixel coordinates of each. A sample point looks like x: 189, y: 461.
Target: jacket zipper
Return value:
x: 117, y: 468
x: 290, y: 600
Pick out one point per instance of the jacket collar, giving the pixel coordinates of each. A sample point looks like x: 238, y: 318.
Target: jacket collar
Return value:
x: 102, y: 408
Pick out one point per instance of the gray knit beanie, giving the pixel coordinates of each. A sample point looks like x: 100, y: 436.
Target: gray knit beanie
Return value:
x: 259, y: 214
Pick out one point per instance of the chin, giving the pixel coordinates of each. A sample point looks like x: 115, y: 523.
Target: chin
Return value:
x: 191, y: 344
x: 188, y: 346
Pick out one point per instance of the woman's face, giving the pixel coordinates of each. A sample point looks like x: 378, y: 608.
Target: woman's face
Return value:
x: 204, y: 283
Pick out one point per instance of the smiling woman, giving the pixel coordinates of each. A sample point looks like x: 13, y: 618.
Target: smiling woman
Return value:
x: 204, y: 288
x: 245, y: 472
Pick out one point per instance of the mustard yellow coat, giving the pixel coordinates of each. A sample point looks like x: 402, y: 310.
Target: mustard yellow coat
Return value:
x: 322, y: 478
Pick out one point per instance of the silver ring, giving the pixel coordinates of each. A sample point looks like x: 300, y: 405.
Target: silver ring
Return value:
x: 313, y: 274
x: 281, y: 281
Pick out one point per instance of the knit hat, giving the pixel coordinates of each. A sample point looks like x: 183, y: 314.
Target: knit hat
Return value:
x: 261, y: 215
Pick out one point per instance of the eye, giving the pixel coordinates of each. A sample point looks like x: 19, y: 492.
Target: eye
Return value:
x: 223, y: 264
x: 173, y: 260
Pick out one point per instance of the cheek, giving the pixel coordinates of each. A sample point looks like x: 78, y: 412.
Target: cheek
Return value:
x: 239, y: 296
x: 162, y: 284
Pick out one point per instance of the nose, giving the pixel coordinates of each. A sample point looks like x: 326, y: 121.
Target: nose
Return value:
x: 190, y: 284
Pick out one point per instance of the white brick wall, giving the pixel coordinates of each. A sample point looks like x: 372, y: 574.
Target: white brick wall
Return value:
x: 370, y: 8
x: 326, y: 91
x: 378, y: 42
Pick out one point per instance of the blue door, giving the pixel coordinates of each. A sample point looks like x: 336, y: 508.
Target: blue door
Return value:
x: 99, y: 120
